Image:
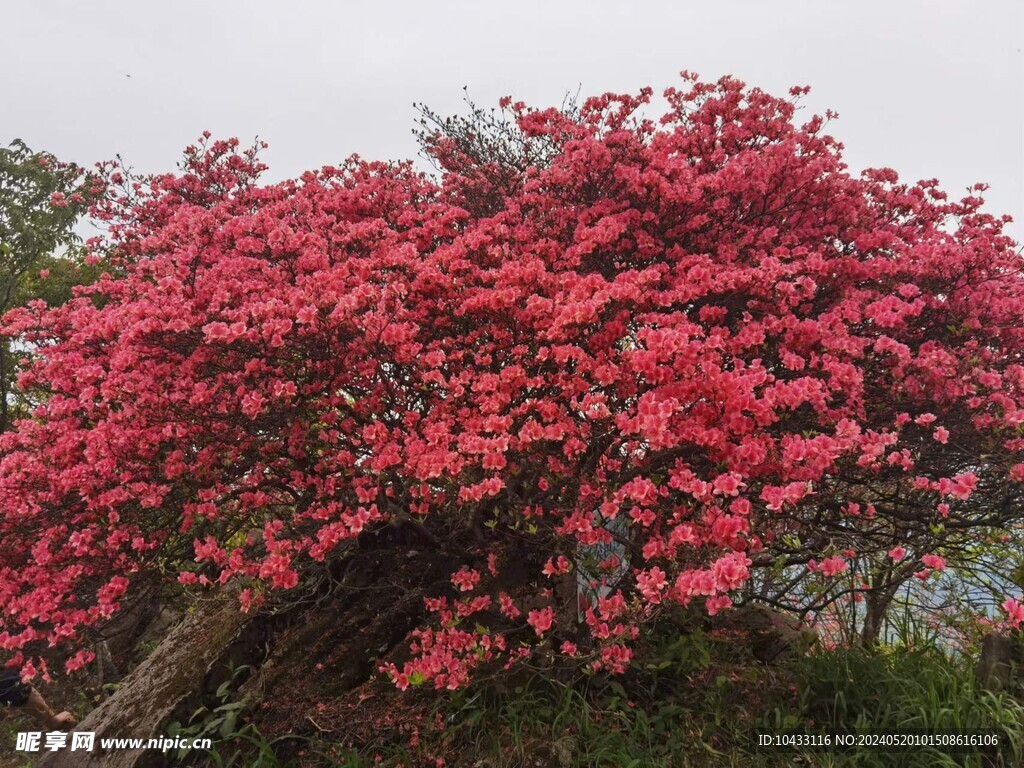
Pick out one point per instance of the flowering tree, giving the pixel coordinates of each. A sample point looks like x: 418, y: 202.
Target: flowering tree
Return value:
x: 701, y: 328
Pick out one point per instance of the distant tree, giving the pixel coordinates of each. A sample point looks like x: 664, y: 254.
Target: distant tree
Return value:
x: 41, y: 201
x: 486, y: 150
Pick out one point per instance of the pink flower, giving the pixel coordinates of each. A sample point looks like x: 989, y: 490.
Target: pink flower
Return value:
x: 556, y: 567
x: 717, y: 603
x: 541, y: 620
x: 466, y: 579
x: 897, y: 553
x: 1014, y: 611
x: 934, y: 562
x: 960, y: 486
x: 730, y: 571
x: 651, y: 584
x: 615, y: 658
x: 832, y: 566
x: 508, y: 607
x: 727, y: 485
x: 78, y: 660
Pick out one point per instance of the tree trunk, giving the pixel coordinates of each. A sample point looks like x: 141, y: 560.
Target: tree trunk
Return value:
x: 147, y: 696
x: 877, y: 604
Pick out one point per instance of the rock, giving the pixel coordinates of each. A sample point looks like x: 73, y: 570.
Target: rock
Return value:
x: 998, y: 663
x: 772, y: 636
x: 147, y: 695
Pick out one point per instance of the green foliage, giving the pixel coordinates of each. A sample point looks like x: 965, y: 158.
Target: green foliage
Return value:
x: 32, y: 225
x: 901, y: 690
x: 555, y: 723
x: 237, y: 742
x: 41, y: 201
x: 690, y: 704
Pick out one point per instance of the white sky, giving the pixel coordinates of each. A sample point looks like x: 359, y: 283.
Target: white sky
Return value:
x: 932, y: 89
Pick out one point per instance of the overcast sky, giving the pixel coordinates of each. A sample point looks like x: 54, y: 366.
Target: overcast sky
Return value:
x: 932, y: 89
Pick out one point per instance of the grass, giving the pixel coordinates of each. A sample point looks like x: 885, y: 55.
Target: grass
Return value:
x: 903, y: 690
x: 689, y: 703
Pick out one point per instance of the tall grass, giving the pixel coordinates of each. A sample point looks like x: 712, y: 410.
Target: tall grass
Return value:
x: 690, y: 704
x: 901, y: 690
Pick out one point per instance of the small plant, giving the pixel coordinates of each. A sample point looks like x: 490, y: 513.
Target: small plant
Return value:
x: 235, y: 741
